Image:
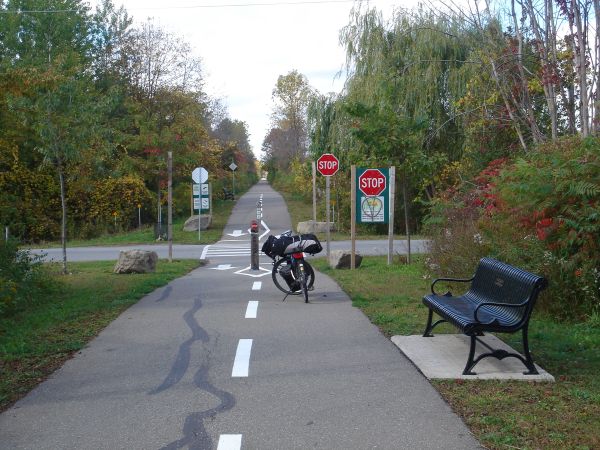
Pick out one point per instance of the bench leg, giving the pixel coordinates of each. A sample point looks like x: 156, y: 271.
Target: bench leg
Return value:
x: 528, y: 359
x: 427, y: 332
x: 470, y: 363
x: 429, y: 327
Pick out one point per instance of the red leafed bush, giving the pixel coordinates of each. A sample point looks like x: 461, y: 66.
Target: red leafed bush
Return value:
x: 540, y: 212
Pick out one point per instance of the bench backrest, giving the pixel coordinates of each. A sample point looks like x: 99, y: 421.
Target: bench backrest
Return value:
x: 495, y: 281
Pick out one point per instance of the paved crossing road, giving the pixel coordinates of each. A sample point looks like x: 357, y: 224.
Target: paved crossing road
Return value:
x: 216, y: 360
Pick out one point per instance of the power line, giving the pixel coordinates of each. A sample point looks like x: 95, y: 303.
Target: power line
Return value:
x: 212, y: 6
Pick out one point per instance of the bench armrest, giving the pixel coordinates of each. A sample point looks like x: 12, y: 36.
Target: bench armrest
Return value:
x: 448, y: 294
x: 508, y: 305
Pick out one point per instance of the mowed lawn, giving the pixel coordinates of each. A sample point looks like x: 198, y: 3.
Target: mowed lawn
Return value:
x: 40, y: 338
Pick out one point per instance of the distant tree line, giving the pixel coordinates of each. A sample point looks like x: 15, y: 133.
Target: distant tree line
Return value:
x: 90, y: 104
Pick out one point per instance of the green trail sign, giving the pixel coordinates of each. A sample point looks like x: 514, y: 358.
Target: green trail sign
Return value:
x: 372, y: 199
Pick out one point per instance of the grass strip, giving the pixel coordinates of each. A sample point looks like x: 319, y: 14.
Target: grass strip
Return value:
x: 220, y: 216
x: 501, y: 414
x: 38, y: 339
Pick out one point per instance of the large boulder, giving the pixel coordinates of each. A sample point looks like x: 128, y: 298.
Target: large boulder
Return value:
x: 314, y: 227
x: 340, y: 259
x: 136, y: 261
x: 192, y: 223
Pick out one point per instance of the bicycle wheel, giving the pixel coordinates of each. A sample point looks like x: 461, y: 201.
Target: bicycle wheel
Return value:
x: 310, y: 275
x: 282, y: 266
x: 302, y: 280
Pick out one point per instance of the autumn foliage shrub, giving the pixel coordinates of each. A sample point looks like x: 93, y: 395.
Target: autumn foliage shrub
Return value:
x: 106, y: 205
x: 540, y: 211
x: 21, y: 279
x: 30, y: 203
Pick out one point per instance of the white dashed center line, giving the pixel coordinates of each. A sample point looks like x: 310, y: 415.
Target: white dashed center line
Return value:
x: 230, y: 442
x: 252, y: 309
x: 257, y: 286
x: 242, y: 358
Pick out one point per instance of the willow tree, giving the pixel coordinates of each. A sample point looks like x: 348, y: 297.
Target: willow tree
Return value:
x: 403, y: 81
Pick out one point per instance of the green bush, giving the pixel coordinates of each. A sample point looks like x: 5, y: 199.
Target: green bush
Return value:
x: 540, y: 212
x: 22, y: 280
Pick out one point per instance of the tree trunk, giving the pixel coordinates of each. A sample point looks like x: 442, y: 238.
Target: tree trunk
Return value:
x: 596, y: 81
x: 63, y: 227
x: 525, y: 100
x: 580, y: 65
x: 513, y: 119
x: 544, y: 40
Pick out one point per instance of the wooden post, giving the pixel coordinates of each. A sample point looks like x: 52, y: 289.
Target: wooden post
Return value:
x: 353, y: 216
x: 170, y: 205
x: 406, y: 215
x: 314, y: 186
x: 391, y: 197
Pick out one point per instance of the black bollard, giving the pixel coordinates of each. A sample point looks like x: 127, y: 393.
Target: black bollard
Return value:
x: 254, y: 245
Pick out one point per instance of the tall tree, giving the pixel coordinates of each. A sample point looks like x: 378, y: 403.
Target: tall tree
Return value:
x: 291, y: 95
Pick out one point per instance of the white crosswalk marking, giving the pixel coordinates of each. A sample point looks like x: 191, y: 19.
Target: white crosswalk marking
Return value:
x: 217, y: 250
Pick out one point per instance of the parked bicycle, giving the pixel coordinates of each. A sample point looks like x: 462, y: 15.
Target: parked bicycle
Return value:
x: 291, y: 273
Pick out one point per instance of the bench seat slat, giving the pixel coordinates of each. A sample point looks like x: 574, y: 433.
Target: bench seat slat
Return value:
x: 460, y: 312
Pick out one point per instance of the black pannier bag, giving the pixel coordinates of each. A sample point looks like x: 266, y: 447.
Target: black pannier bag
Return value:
x: 310, y: 244
x: 286, y: 272
x: 284, y: 245
x: 281, y: 244
x: 267, y: 247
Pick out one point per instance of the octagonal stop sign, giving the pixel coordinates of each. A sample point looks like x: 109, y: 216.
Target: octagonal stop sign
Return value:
x: 327, y: 164
x: 372, y: 182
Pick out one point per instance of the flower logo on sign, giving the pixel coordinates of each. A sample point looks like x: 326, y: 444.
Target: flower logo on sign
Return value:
x: 371, y: 207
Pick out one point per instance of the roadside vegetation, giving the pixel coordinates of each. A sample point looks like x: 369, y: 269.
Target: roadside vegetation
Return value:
x: 146, y: 235
x: 60, y: 314
x: 501, y: 414
x: 88, y: 120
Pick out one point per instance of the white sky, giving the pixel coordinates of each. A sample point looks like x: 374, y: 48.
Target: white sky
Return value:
x: 245, y: 48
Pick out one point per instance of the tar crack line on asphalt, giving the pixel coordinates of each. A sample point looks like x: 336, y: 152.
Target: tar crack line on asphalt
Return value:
x: 194, y: 432
x: 182, y: 361
x: 165, y: 294
x: 195, y: 436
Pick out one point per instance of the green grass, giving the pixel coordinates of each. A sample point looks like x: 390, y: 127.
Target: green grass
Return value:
x: 501, y: 414
x: 221, y: 212
x: 39, y: 339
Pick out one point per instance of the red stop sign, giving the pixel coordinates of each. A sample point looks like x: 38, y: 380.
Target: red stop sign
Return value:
x: 327, y: 164
x: 371, y: 182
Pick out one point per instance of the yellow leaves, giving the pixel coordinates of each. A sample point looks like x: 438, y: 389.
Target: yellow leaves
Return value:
x: 535, y: 86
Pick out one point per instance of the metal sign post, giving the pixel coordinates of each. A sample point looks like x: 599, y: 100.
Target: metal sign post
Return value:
x: 328, y: 165
x: 200, y: 176
x: 314, y: 192
x: 233, y: 166
x: 170, y: 205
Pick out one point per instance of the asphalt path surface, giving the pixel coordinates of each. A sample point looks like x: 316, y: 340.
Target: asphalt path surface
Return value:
x: 216, y: 360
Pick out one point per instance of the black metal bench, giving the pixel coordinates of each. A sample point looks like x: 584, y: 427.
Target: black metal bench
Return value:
x: 500, y: 299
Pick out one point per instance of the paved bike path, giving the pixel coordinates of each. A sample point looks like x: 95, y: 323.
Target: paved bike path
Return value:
x: 317, y: 375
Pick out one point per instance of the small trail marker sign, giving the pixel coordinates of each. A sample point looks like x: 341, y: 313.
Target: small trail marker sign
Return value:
x: 200, y: 175
x: 328, y: 164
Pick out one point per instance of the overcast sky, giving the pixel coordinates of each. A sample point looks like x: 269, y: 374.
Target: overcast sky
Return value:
x: 245, y: 48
